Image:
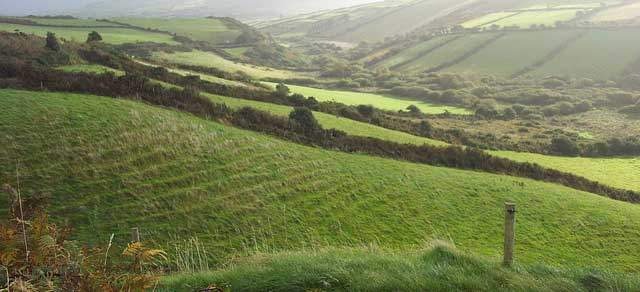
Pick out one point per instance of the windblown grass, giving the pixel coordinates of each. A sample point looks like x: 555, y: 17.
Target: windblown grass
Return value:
x: 109, y: 165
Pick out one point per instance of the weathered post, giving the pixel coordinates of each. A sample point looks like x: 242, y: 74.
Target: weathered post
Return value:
x: 135, y: 234
x: 509, y: 232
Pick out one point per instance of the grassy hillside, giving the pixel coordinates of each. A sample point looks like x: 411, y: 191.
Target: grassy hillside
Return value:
x: 597, y: 169
x: 401, y: 20
x: 109, y: 35
x: 385, y: 102
x: 410, y: 54
x: 447, y: 53
x: 370, y: 22
x: 505, y: 56
x: 208, y: 59
x: 600, y: 54
x: 438, y: 268
x: 562, y: 52
x: 213, y: 30
x: 109, y: 165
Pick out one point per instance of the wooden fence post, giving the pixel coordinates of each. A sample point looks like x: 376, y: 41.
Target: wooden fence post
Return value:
x: 509, y: 232
x: 135, y: 234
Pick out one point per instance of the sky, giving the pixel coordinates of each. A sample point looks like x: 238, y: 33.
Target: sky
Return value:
x: 25, y: 7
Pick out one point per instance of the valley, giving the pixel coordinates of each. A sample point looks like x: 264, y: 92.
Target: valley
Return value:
x: 368, y: 146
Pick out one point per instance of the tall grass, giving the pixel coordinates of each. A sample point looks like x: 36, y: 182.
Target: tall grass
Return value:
x: 190, y: 256
x: 440, y: 267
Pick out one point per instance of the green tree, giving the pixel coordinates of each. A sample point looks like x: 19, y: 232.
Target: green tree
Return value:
x: 52, y: 42
x: 94, y: 36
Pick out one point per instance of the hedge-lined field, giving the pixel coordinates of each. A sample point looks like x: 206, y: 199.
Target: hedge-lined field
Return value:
x: 385, y: 102
x: 208, y: 59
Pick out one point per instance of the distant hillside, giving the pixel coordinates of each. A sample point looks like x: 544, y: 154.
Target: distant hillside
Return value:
x: 242, y: 9
x: 370, y: 22
x: 378, y: 21
x: 600, y: 54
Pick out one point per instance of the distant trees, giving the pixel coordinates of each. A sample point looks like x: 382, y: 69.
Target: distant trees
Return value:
x: 52, y: 42
x: 94, y: 36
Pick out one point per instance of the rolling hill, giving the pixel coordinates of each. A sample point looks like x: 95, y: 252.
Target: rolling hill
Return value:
x: 243, y: 9
x: 108, y: 165
x: 369, y: 22
x: 597, y: 169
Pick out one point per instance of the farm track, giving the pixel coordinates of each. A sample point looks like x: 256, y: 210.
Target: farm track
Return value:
x: 466, y: 55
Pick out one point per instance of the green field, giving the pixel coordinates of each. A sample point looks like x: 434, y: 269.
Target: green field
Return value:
x: 439, y: 267
x: 90, y: 68
x: 617, y: 172
x: 385, y: 102
x: 600, y: 54
x: 237, y: 52
x: 512, y: 53
x: 109, y: 165
x: 447, y: 53
x: 206, y: 77
x: 528, y: 18
x: 211, y: 30
x: 207, y: 59
x: 487, y: 20
x: 114, y: 36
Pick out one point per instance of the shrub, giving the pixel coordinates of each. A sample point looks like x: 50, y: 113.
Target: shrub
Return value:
x: 564, y: 146
x: 302, y: 118
x: 282, y: 90
x: 52, y: 42
x: 94, y: 36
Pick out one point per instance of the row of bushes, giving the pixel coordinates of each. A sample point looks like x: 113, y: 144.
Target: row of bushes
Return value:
x: 301, y: 127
